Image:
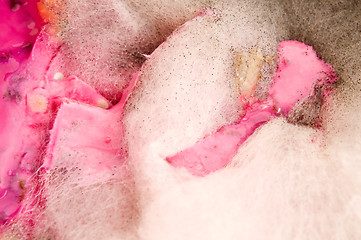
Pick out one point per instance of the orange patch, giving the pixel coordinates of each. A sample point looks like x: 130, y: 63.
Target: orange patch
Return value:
x: 51, y: 11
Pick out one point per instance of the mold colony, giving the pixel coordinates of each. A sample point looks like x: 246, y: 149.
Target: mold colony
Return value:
x: 150, y: 119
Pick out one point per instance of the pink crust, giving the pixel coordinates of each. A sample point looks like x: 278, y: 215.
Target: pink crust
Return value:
x: 299, y: 70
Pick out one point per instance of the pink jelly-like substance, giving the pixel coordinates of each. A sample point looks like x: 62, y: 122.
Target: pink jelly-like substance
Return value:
x: 36, y: 99
x: 215, y: 151
x: 55, y: 117
x: 90, y: 137
x: 30, y: 101
x: 299, y: 71
x: 20, y: 25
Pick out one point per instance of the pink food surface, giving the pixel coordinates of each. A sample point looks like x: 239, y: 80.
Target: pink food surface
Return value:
x: 44, y: 113
x: 20, y: 25
x: 299, y: 70
x: 30, y: 100
x: 91, y: 137
x: 215, y: 151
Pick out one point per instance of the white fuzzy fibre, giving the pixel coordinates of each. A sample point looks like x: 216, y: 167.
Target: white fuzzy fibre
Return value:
x: 286, y: 182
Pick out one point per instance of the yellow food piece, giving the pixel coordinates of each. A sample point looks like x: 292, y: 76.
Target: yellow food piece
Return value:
x: 248, y: 66
x: 103, y: 104
x: 37, y: 103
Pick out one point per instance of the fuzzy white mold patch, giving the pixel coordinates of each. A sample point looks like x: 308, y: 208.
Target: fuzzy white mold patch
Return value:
x: 286, y: 182
x: 105, y: 41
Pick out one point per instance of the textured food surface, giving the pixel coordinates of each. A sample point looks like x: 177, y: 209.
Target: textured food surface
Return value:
x: 299, y: 72
x: 130, y: 119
